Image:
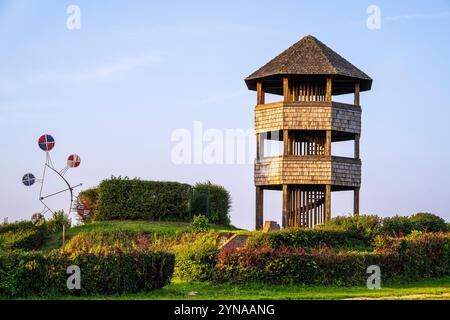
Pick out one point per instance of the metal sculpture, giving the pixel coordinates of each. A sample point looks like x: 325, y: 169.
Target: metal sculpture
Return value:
x: 46, y: 143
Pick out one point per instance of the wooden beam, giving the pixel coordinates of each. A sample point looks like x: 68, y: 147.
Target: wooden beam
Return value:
x: 329, y: 89
x: 286, y: 89
x: 260, y: 96
x: 356, y: 202
x: 285, y: 206
x: 259, y: 219
x: 356, y: 153
x: 327, y: 202
x: 357, y: 91
x: 328, y: 143
x: 260, y: 146
x: 285, y: 142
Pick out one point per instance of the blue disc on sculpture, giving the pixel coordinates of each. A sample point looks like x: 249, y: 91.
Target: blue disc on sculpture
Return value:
x: 29, y: 179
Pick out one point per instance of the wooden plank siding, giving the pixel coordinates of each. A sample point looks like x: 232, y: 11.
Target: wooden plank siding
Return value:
x: 308, y: 116
x: 309, y: 170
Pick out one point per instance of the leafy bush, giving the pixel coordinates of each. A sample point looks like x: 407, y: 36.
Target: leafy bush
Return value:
x: 23, y: 274
x: 196, y: 261
x: 22, y: 235
x: 428, y: 222
x: 309, y: 238
x: 366, y: 225
x: 104, y: 242
x: 134, y: 199
x: 58, y: 220
x: 16, y: 226
x: 213, y: 201
x: 200, y: 223
x: 397, y: 226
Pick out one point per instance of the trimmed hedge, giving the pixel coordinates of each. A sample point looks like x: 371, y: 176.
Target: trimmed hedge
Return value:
x: 411, y: 258
x: 24, y: 274
x: 289, y: 265
x: 310, y: 238
x: 134, y: 199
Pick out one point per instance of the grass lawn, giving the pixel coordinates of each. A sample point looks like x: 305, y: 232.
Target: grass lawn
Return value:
x: 161, y: 228
x: 429, y: 289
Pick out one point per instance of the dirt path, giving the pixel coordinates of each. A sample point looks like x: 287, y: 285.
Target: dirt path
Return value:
x: 407, y: 297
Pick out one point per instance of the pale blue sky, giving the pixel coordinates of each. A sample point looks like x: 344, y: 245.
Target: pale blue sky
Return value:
x: 114, y: 92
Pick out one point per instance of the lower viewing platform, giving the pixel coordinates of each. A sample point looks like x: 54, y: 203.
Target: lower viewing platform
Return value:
x: 340, y: 172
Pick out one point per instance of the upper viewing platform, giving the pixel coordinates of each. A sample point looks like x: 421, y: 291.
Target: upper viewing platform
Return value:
x: 345, y: 118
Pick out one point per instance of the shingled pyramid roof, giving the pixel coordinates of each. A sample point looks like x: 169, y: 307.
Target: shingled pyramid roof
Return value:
x: 310, y: 57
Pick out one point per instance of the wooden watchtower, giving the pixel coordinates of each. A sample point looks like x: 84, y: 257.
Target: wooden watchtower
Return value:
x: 307, y: 75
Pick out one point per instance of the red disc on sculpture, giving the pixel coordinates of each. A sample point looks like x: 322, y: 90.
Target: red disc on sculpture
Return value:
x: 46, y: 142
x: 73, y: 161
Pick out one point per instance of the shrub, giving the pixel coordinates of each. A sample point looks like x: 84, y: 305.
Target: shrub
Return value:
x: 428, y: 222
x: 213, y: 201
x: 309, y: 238
x: 23, y: 274
x: 22, y: 235
x: 420, y: 255
x: 16, y: 226
x: 58, y: 220
x: 200, y: 223
x: 367, y: 225
x: 397, y: 226
x: 134, y: 199
x: 196, y: 261
x: 103, y: 242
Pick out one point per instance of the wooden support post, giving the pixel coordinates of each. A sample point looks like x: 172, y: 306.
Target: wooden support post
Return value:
x: 260, y: 96
x: 356, y: 202
x: 327, y: 202
x: 329, y: 89
x: 286, y: 89
x: 357, y: 146
x: 328, y: 143
x: 285, y: 142
x: 260, y: 146
x: 357, y: 90
x: 259, y: 208
x: 285, y: 217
